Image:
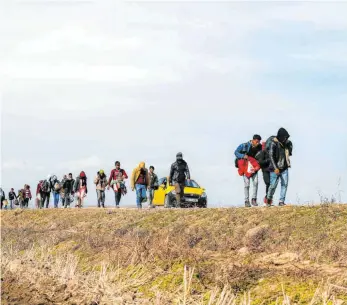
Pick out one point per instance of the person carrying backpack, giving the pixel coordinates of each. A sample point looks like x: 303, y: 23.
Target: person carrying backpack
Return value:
x: 243, y: 151
x: 56, y: 189
x: 179, y: 173
x: 114, y: 176
x: 80, y: 189
x: 44, y: 189
x: 101, y: 183
x: 12, y: 197
x: 280, y: 149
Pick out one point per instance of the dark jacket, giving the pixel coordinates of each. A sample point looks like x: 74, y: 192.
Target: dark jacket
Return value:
x: 12, y: 195
x: 68, y: 185
x: 280, y: 151
x: 153, y: 180
x: 179, y: 172
x: 263, y: 159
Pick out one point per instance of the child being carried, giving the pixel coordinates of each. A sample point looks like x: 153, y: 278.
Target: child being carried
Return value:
x: 118, y: 184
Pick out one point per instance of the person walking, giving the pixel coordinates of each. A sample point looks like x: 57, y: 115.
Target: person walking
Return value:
x: 12, y: 197
x: 280, y: 149
x: 27, y: 196
x: 114, y: 176
x: 68, y: 190
x: 243, y: 151
x: 153, y: 184
x: 179, y: 173
x: 140, y: 182
x: 263, y: 159
x: 101, y: 183
x: 2, y: 198
x: 80, y: 189
x: 44, y: 189
x: 56, y: 188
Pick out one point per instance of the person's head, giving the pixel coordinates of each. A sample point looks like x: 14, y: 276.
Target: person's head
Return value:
x: 179, y: 156
x: 82, y: 174
x: 117, y: 164
x: 65, y: 176
x: 27, y: 187
x: 256, y: 140
x: 70, y: 175
x: 142, y: 165
x: 101, y: 172
x: 151, y: 169
x: 12, y: 189
x: 119, y: 175
x: 282, y: 135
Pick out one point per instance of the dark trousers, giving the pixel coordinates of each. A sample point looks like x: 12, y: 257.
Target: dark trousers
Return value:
x: 118, y: 196
x: 26, y: 203
x: 179, y: 188
x: 45, y: 197
x: 266, y: 177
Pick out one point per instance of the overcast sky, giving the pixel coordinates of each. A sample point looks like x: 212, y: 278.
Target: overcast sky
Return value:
x: 86, y: 83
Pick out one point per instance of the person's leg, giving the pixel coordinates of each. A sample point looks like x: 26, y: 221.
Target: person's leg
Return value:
x: 118, y: 196
x: 284, y: 186
x: 178, y: 194
x: 255, y: 189
x: 43, y: 199
x: 56, y: 199
x: 98, y: 196
x: 11, y: 204
x: 150, y: 197
x: 48, y: 196
x: 266, y: 177
x: 102, y: 198
x: 138, y: 195
x: 246, y: 181
x: 273, y: 185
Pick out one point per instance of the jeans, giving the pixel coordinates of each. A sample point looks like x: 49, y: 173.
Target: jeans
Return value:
x: 141, y: 194
x: 247, y: 182
x: 150, y: 196
x: 11, y: 203
x: 56, y: 197
x: 101, y: 198
x: 284, y: 176
x: 66, y: 200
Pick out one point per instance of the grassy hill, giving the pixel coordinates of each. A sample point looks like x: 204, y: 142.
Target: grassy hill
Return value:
x: 291, y: 255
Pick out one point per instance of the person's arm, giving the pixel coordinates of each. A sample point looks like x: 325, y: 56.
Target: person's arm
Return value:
x: 132, y: 180
x: 239, y: 150
x: 290, y: 147
x: 271, y: 155
x: 156, y: 181
x: 187, y: 172
x: 147, y: 179
x: 96, y: 180
x: 125, y: 176
x: 111, y: 176
x: 172, y: 171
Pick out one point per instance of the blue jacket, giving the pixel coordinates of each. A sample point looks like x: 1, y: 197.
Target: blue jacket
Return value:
x: 242, y: 150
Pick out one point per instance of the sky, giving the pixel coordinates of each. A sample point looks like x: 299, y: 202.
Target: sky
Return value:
x: 86, y: 83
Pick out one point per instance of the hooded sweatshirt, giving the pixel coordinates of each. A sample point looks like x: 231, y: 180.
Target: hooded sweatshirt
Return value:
x: 280, y: 150
x: 140, y: 175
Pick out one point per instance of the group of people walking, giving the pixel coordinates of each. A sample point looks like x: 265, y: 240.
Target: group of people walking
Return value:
x: 273, y: 158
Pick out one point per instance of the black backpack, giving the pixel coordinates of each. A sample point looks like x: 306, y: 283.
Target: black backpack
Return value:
x: 45, y: 186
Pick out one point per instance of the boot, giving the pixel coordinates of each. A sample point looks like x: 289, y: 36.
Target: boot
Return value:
x: 247, y: 204
x: 281, y: 204
x: 103, y: 205
x: 254, y: 202
x: 269, y: 203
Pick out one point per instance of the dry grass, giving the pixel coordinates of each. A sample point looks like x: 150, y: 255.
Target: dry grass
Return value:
x: 292, y: 255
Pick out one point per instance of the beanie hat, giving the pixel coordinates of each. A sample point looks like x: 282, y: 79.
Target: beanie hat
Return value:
x: 82, y: 174
x: 179, y: 156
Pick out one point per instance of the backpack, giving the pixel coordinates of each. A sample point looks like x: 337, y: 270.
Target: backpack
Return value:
x: 44, y: 186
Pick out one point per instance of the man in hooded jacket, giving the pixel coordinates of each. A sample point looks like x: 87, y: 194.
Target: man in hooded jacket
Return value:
x: 179, y: 173
x: 140, y: 182
x: 280, y: 149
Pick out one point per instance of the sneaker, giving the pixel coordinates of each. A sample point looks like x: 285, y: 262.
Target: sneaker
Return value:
x: 117, y: 206
x: 281, y: 204
x: 254, y: 202
x: 247, y: 204
x: 265, y: 200
x: 269, y: 203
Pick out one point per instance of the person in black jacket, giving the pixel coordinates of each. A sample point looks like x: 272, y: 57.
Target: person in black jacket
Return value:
x: 280, y: 149
x: 178, y: 174
x: 68, y: 190
x: 12, y: 197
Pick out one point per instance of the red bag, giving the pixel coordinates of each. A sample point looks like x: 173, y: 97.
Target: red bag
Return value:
x: 248, y: 167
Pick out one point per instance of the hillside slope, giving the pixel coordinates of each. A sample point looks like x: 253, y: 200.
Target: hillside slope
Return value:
x: 291, y: 255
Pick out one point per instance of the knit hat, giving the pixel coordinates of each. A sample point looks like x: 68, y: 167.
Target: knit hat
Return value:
x: 82, y: 174
x: 101, y: 172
